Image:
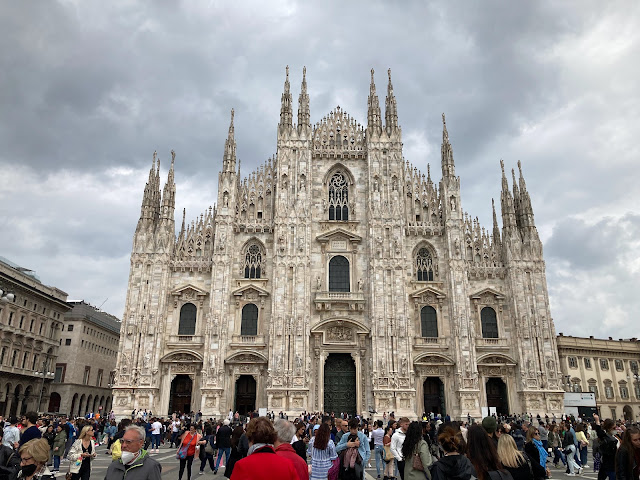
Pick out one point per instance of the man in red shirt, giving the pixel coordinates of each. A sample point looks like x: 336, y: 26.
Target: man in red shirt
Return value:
x: 285, y: 430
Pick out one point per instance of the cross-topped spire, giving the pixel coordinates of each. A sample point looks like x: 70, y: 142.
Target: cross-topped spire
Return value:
x: 448, y: 165
x: 374, y: 120
x: 229, y: 158
x: 391, y: 108
x: 286, y: 111
x: 304, y: 115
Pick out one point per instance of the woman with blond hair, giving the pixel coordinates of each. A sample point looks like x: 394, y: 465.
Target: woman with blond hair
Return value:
x: 34, y: 456
x: 82, y: 452
x: 517, y: 463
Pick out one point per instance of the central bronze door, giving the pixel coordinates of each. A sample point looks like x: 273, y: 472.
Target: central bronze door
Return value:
x: 340, y: 384
x: 245, y: 394
x: 180, y: 396
x: 497, y: 396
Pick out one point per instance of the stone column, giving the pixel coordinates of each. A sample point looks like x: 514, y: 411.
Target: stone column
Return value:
x: 20, y: 401
x: 9, y: 402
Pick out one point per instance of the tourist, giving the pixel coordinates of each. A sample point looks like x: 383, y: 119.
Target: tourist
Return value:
x: 358, y: 440
x: 389, y: 459
x: 490, y: 426
x: 607, y: 446
x: 544, y: 434
x: 237, y: 452
x: 156, y: 434
x: 377, y: 436
x: 285, y: 430
x: 537, y: 453
x: 81, y: 454
x: 583, y: 444
x: 452, y: 465
x: 483, y: 454
x: 628, y: 455
x: 135, y: 463
x: 396, y: 444
x: 49, y: 435
x: 415, y: 445
x: 300, y: 440
x: 34, y: 456
x: 31, y: 429
x: 207, y: 449
x: 322, y: 451
x: 260, y: 463
x: 9, y: 461
x: 223, y: 442
x: 555, y: 443
x: 189, y: 444
x: 518, y: 464
x: 569, y: 449
x: 11, y: 434
x: 58, y: 446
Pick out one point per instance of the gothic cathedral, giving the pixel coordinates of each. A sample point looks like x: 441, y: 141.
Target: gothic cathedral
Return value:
x: 337, y: 277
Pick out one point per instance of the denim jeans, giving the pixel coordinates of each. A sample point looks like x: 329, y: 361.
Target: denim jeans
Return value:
x: 155, y: 440
x: 226, y: 451
x: 558, y: 455
x: 56, y: 462
x: 379, y: 453
x: 583, y: 455
x: 573, y: 466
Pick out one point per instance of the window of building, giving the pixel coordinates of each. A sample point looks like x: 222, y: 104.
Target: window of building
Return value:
x: 70, y: 327
x: 59, y: 374
x: 10, y: 318
x: 87, y: 372
x: 608, y: 391
x: 587, y: 362
x: 576, y: 387
x: 338, y: 197
x: 619, y: 365
x: 3, y: 354
x: 636, y: 390
x: 573, y: 362
x: 35, y: 307
x: 624, y: 392
x: 41, y: 327
x: 67, y: 341
x: 187, y: 319
x: 633, y: 365
x: 429, y: 321
x: 99, y: 379
x: 489, y: 323
x: 31, y: 325
x: 14, y: 357
x: 339, y: 274
x: 24, y: 359
x: 253, y: 262
x: 35, y: 362
x: 604, y: 364
x: 249, y: 324
x: 21, y: 321
x: 424, y: 265
x: 594, y: 389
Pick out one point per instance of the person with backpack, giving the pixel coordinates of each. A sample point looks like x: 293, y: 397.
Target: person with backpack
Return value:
x: 569, y: 449
x: 453, y: 464
x: 207, y: 448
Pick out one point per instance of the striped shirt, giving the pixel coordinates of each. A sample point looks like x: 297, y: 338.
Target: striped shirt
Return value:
x: 321, y: 460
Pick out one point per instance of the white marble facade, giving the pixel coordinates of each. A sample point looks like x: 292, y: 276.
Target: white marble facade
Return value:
x: 352, y: 243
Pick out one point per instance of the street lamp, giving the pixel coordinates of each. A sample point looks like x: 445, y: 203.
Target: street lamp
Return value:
x: 6, y: 296
x: 44, y: 374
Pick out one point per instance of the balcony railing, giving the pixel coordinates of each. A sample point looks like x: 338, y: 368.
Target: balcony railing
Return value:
x: 492, y: 342
x: 183, y: 340
x: 245, y: 340
x: 324, y: 300
x: 430, y: 342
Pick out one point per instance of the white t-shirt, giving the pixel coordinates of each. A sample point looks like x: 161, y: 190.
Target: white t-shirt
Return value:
x: 156, y: 428
x: 175, y: 427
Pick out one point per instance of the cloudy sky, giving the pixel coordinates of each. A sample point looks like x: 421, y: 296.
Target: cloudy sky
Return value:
x: 89, y: 89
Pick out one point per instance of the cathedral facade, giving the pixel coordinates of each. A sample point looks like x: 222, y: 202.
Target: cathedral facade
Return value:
x: 337, y: 277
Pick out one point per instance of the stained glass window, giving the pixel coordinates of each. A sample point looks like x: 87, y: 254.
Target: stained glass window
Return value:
x: 338, y: 197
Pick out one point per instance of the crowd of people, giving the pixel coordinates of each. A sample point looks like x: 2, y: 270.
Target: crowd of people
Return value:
x: 320, y: 446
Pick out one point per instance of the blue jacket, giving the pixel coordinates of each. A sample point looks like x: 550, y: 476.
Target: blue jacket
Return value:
x: 364, y: 450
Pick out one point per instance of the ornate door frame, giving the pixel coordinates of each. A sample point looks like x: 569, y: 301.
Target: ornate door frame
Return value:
x: 244, y: 363
x: 179, y: 363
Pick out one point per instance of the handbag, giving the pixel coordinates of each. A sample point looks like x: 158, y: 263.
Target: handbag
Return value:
x: 208, y: 449
x: 388, y: 456
x: 417, y: 462
x: 182, y: 451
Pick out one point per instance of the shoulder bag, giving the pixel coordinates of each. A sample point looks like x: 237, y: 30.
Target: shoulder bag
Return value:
x: 208, y: 449
x: 182, y: 452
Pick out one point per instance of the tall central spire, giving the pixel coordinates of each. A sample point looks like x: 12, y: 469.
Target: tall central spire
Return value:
x: 304, y: 115
x: 446, y: 152
x: 229, y: 159
x: 374, y: 120
x: 391, y: 109
x: 286, y: 111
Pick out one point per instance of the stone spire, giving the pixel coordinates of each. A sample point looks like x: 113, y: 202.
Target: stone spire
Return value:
x: 525, y: 201
x: 286, y: 110
x: 391, y: 109
x: 496, y: 229
x: 516, y: 199
x: 229, y: 158
x: 182, y: 229
x: 304, y: 115
x: 448, y: 165
x: 506, y: 205
x: 169, y: 193
x: 374, y: 120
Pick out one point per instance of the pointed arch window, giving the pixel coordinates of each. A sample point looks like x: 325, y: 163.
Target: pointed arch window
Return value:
x: 339, y: 274
x: 338, y: 197
x: 489, y: 323
x: 253, y: 262
x: 249, y: 324
x: 424, y: 265
x: 187, y: 325
x: 429, y: 322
